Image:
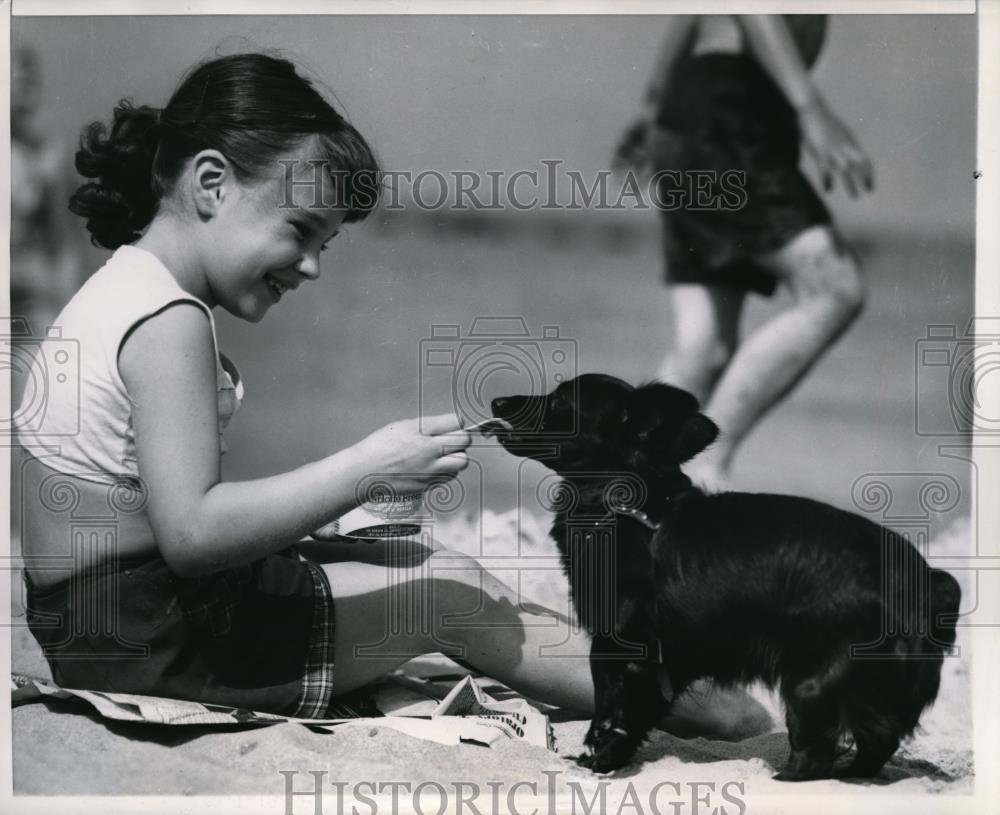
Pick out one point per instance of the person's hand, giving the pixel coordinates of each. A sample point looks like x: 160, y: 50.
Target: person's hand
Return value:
x: 412, y: 454
x: 835, y: 151
x: 646, y: 147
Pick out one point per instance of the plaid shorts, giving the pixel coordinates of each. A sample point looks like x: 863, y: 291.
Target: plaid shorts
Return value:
x: 259, y: 636
x: 317, y: 679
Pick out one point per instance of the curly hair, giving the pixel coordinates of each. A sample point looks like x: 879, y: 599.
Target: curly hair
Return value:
x: 251, y: 107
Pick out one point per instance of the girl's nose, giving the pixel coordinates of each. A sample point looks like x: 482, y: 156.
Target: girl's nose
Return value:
x: 309, y: 265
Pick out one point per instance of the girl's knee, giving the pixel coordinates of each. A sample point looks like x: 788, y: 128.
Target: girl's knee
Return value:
x: 470, y: 606
x: 449, y: 566
x: 450, y: 576
x: 433, y: 544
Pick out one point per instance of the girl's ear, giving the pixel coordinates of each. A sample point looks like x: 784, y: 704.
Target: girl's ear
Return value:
x: 211, y: 172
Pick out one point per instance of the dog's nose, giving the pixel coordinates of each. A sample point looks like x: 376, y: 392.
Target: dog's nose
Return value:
x: 499, y: 405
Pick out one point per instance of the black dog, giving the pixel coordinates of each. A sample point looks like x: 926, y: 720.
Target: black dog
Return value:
x: 842, y: 615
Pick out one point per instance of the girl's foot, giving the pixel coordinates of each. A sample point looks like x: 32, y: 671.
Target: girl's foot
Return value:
x: 723, y: 714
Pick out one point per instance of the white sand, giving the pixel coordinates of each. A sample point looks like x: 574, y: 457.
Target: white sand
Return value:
x: 61, y: 748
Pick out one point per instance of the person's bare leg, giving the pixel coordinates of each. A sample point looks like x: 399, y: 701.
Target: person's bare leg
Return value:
x: 705, y: 329
x: 825, y: 281
x: 435, y: 600
x: 726, y: 714
x: 443, y: 601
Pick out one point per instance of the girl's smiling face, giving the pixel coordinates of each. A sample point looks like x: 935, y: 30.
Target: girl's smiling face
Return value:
x: 266, y: 235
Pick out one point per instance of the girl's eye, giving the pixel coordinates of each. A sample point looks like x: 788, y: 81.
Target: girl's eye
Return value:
x: 304, y: 232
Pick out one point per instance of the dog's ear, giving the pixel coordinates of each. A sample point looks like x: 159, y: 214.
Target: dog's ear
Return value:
x: 665, y: 427
x: 695, y: 435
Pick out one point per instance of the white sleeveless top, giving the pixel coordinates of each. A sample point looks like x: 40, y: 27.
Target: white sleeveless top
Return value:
x: 77, y: 412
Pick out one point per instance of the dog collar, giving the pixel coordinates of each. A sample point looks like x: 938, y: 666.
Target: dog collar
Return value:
x: 636, y: 514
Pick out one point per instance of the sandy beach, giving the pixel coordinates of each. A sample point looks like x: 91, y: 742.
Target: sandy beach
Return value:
x: 55, y: 743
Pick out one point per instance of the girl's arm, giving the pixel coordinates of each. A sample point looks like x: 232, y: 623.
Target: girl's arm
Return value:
x: 829, y: 142
x: 203, y: 524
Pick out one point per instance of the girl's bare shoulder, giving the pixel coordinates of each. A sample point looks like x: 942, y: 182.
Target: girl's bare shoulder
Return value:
x: 179, y: 335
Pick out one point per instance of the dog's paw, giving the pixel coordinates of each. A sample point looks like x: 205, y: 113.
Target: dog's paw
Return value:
x: 598, y: 763
x: 789, y: 775
x: 610, y: 748
x: 609, y: 758
x: 803, y: 767
x: 601, y: 731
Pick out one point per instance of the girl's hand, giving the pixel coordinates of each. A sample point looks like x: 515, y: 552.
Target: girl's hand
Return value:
x: 414, y: 453
x: 833, y: 148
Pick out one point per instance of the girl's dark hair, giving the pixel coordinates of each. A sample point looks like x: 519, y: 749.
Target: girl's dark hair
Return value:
x: 250, y: 107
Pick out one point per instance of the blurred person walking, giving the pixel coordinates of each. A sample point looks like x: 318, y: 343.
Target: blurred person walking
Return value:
x: 731, y: 100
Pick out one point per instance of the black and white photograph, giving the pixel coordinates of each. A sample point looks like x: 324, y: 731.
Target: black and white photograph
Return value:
x: 528, y: 410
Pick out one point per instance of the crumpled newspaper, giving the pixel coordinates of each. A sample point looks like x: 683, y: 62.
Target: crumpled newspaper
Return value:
x: 127, y: 707
x: 466, y: 715
x: 470, y: 715
x: 513, y: 718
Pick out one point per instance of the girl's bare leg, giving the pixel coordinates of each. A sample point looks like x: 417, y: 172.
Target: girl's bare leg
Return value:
x: 406, y: 599
x: 425, y: 600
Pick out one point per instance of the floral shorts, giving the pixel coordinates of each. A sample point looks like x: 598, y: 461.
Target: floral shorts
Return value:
x: 734, y: 191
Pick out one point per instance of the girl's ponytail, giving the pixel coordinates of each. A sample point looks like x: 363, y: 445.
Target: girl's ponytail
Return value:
x: 253, y: 108
x: 123, y: 199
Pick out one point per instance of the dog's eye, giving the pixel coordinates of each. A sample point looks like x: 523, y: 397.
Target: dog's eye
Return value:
x: 557, y: 399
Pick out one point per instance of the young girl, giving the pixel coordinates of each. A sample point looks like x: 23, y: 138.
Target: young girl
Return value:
x: 188, y: 588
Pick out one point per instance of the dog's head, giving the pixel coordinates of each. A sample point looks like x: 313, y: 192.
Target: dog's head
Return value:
x: 599, y: 422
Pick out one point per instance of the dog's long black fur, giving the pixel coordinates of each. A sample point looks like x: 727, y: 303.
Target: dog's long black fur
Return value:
x: 841, y: 614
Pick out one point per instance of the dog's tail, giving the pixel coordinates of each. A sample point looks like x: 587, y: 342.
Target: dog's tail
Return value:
x: 946, y: 596
x: 887, y: 704
x: 930, y: 645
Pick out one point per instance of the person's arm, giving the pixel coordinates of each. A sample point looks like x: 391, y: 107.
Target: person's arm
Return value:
x: 774, y: 48
x: 829, y: 142
x: 203, y: 524
x: 633, y: 148
x: 678, y: 34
